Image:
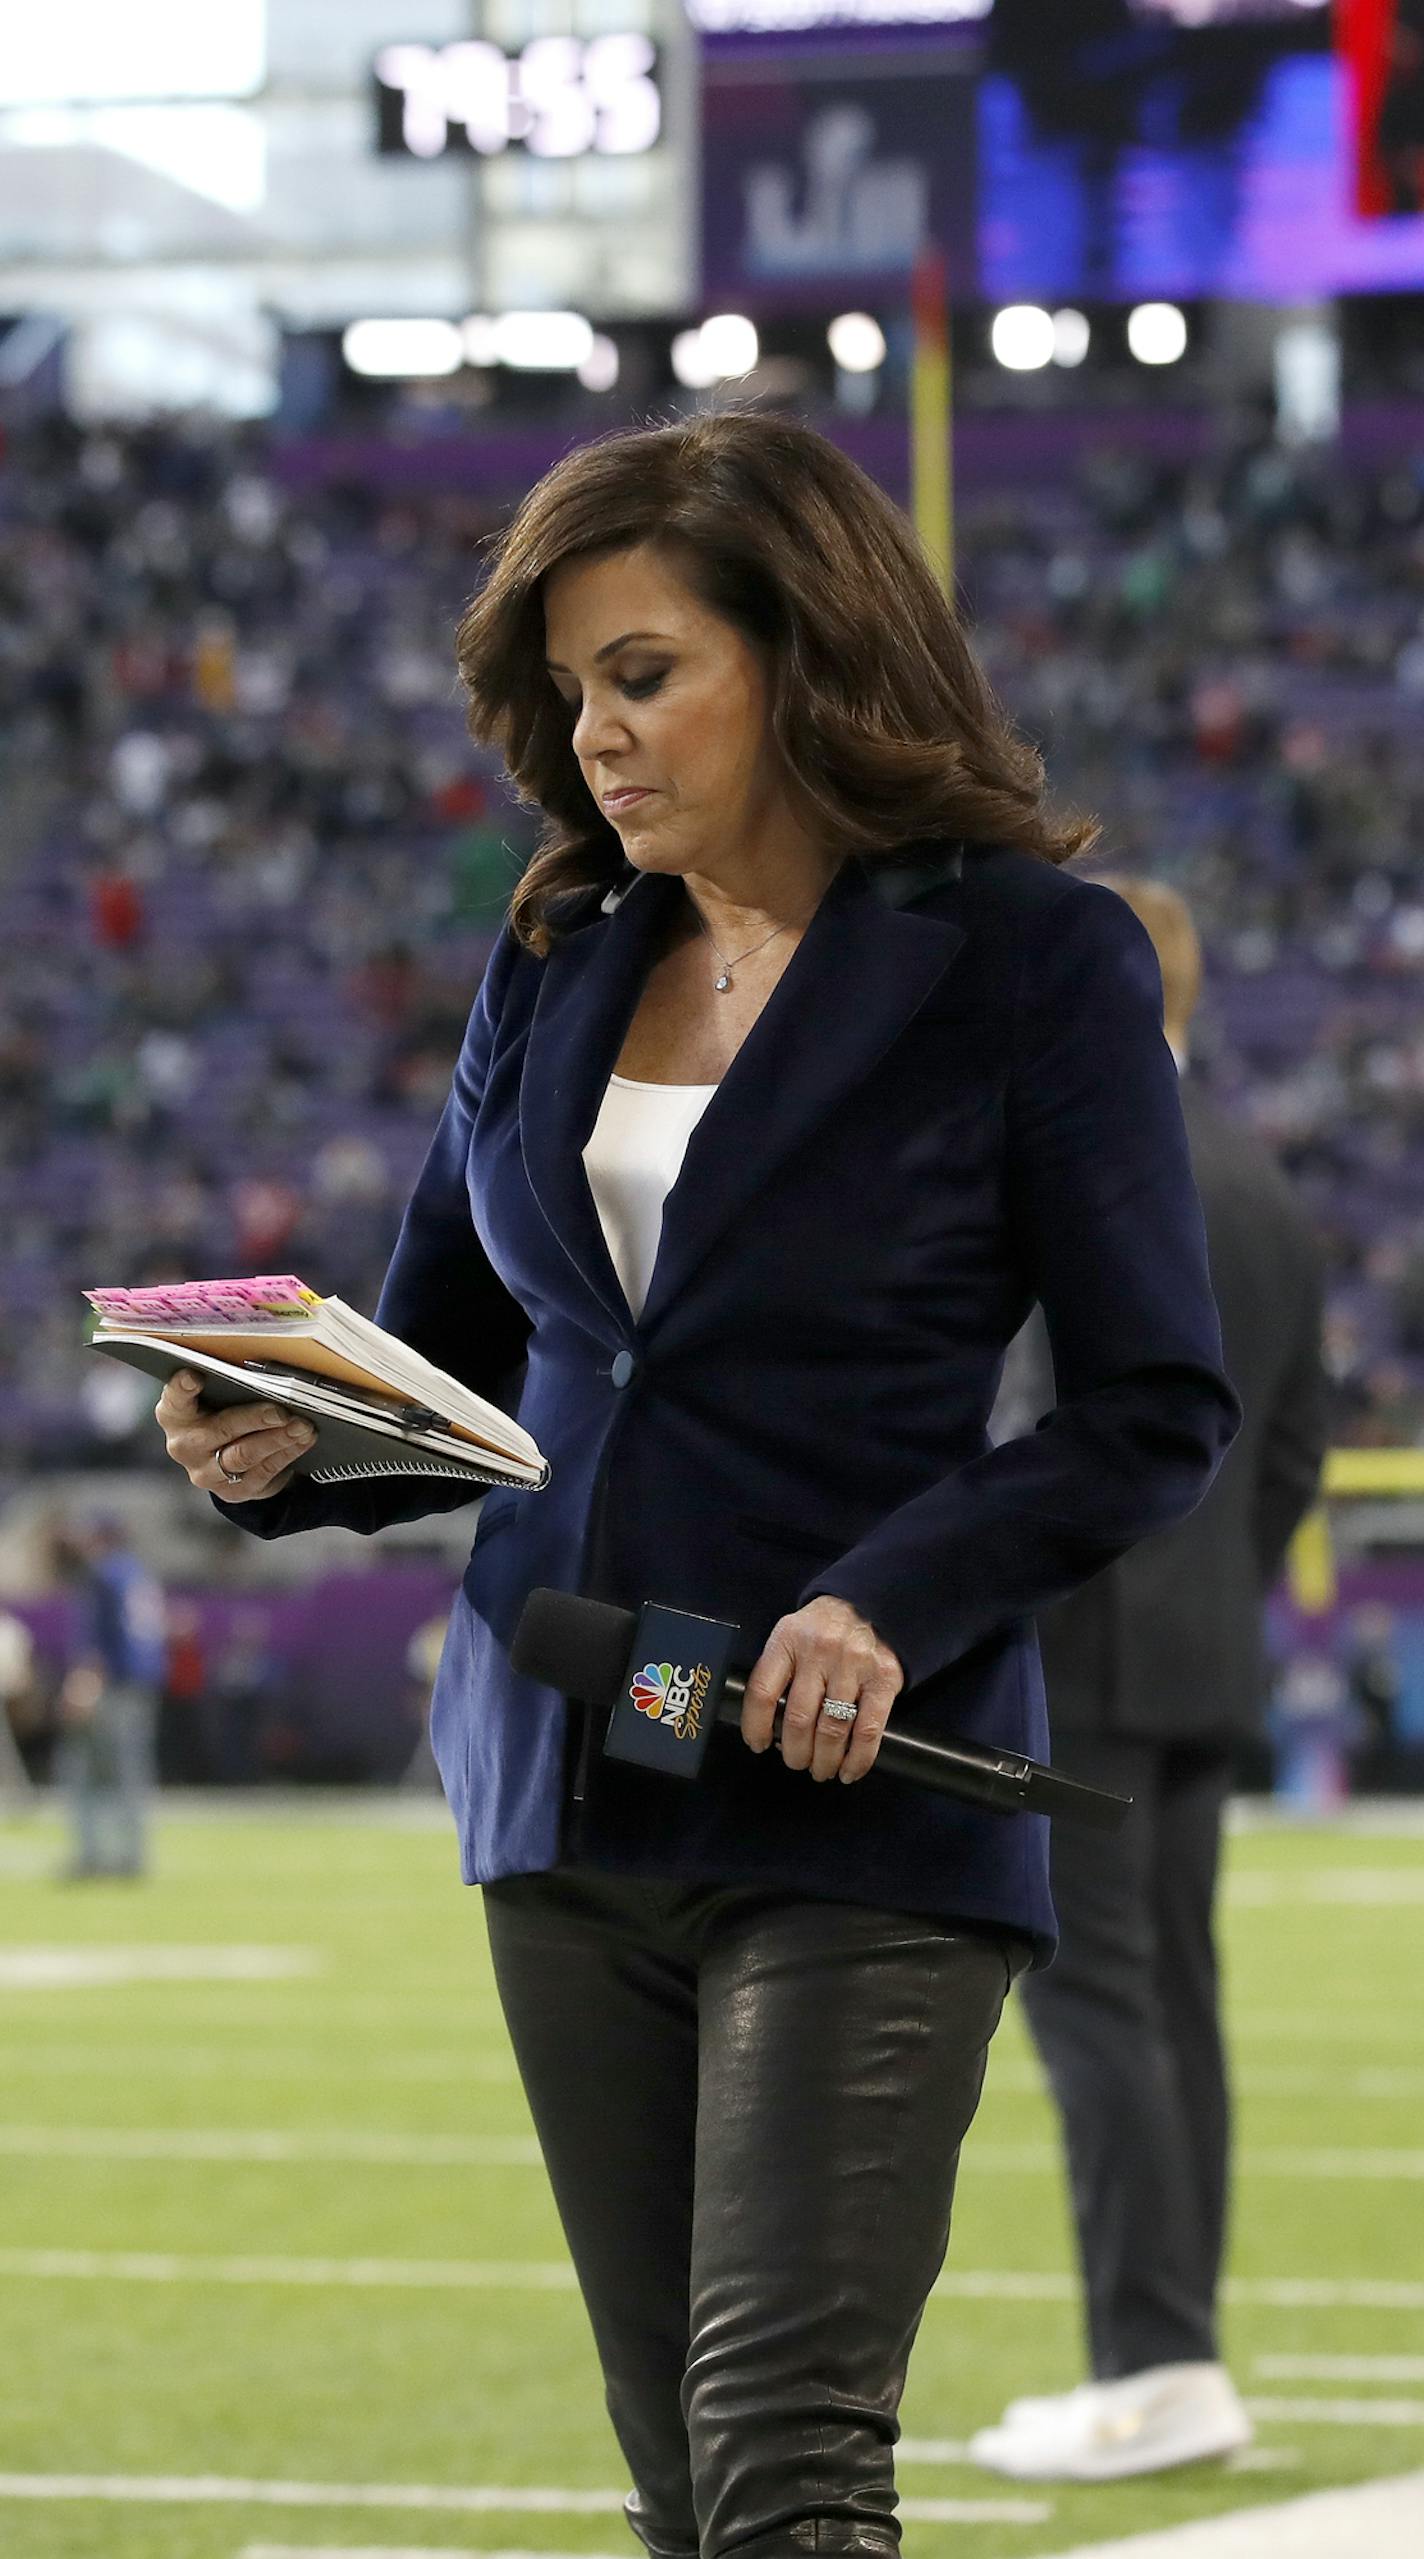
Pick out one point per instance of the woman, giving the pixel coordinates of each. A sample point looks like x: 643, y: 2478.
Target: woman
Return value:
x: 800, y: 1071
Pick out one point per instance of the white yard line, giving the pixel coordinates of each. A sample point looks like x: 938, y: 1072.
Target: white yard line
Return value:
x: 1382, y: 2521
x: 407, y: 2550
x: 458, y: 2068
x: 932, y: 2452
x: 1315, y: 2028
x: 92, y: 2058
x: 426, y: 2274
x: 1338, y: 2412
x: 1307, y: 2292
x: 110, y: 1967
x: 281, y: 2149
x: 410, y: 2498
x: 378, y: 2150
x: 1010, y: 2077
x: 1396, y: 2368
x: 1260, y: 2292
x: 1348, y: 1887
x: 260, y: 2145
x: 407, y: 2497
x: 554, y: 2274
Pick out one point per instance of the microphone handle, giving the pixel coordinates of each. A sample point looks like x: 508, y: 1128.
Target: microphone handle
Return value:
x: 1002, y: 1780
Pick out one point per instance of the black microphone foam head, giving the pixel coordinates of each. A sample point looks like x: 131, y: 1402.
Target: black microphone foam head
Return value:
x: 579, y: 1646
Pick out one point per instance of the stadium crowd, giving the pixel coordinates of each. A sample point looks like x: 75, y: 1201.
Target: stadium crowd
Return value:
x: 252, y: 865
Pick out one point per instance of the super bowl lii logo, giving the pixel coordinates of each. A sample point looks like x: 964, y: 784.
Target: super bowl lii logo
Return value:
x: 668, y: 1694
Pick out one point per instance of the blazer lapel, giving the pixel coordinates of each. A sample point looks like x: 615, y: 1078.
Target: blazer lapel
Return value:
x: 861, y: 971
x: 590, y: 984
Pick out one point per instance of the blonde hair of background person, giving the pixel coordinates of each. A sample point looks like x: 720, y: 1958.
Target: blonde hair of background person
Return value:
x: 1177, y: 944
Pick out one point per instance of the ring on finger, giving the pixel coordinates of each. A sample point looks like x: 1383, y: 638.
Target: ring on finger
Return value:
x: 226, y: 1471
x: 839, y: 1710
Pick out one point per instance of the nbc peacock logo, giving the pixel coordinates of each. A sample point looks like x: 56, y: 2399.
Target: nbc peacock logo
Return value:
x: 668, y: 1694
x: 650, y: 1688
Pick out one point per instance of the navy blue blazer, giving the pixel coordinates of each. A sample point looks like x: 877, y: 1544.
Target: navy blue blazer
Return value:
x: 957, y: 1100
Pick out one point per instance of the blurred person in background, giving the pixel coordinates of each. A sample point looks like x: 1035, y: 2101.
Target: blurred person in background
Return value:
x: 422, y: 1663
x: 1153, y: 1669
x: 1372, y: 1667
x: 1315, y: 1726
x: 182, y: 1752
x: 108, y: 1701
x: 1400, y: 130
x: 242, y: 1681
x: 17, y: 1681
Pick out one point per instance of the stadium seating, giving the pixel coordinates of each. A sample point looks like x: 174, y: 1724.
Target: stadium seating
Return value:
x: 252, y: 865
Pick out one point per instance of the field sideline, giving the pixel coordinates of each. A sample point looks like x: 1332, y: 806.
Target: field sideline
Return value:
x: 279, y: 2273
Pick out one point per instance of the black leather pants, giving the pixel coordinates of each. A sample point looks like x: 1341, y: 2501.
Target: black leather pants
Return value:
x: 751, y: 2106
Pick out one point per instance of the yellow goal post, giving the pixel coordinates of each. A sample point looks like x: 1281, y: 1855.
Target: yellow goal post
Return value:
x: 1350, y: 1475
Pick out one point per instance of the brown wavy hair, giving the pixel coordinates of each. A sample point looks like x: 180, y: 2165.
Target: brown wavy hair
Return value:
x: 890, y: 733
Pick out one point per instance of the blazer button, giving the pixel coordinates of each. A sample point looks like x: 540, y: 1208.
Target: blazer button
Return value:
x: 624, y: 1367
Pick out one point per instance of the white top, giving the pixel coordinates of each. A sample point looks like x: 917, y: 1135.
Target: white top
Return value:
x: 632, y: 1161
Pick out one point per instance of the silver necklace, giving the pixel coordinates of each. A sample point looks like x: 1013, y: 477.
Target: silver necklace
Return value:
x: 723, y: 984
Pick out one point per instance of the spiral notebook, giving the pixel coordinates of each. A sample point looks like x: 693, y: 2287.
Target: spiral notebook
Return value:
x: 379, y: 1408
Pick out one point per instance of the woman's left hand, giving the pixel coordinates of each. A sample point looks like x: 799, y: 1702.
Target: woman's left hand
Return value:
x: 823, y: 1650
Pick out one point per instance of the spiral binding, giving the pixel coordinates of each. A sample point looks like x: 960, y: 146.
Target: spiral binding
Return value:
x: 412, y: 1465
x: 405, y: 1466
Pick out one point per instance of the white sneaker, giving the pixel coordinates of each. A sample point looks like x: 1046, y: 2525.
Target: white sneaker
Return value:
x: 1118, y: 2429
x: 1021, y: 2411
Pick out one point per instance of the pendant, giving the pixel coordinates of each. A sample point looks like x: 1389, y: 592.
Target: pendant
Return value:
x: 722, y: 983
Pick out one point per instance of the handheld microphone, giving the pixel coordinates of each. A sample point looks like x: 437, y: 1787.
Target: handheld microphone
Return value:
x: 664, y: 1675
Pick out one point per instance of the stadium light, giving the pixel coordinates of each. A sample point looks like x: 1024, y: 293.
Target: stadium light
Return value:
x: 543, y: 341
x: 1071, y: 337
x: 722, y: 350
x: 480, y: 338
x: 599, y: 369
x: 857, y: 342
x: 529, y: 341
x: 731, y: 345
x: 1157, y: 333
x: 689, y: 361
x: 410, y: 350
x: 1022, y: 338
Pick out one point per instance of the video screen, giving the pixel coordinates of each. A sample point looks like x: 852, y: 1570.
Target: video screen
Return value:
x: 1382, y: 43
x: 829, y: 173
x: 1124, y: 154
x: 1229, y: 13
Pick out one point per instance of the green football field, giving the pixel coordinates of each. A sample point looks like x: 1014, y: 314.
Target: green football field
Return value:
x: 279, y: 2273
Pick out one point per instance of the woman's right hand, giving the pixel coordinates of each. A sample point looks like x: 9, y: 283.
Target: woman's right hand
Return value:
x: 257, y: 1442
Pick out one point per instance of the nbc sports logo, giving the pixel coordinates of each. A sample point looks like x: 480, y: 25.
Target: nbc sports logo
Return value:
x: 650, y: 1686
x: 663, y: 1689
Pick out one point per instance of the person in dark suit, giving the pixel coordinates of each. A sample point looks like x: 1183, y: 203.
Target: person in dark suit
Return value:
x: 802, y: 1068
x: 1153, y: 1669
